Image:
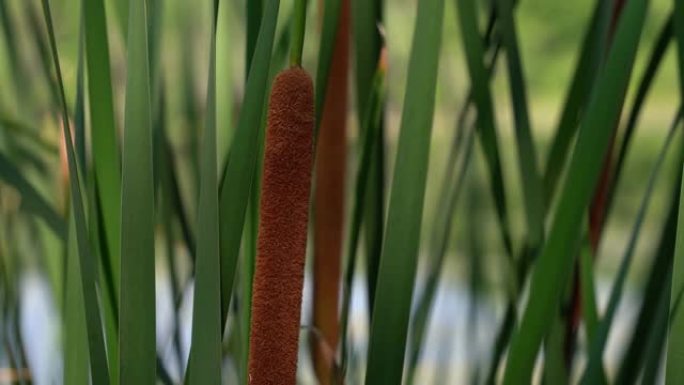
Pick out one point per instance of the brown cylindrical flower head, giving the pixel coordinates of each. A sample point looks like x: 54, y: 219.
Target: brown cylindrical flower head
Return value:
x: 281, y: 247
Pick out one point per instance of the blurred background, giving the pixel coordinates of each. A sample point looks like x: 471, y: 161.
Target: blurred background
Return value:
x: 470, y: 299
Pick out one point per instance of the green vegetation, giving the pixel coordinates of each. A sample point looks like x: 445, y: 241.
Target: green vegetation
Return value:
x: 516, y: 165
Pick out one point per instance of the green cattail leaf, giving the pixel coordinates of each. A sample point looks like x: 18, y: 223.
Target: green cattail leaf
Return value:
x: 578, y: 96
x: 76, y: 365
x: 675, y: 345
x: 397, y: 271
x: 527, y: 154
x: 678, y: 20
x: 366, y: 16
x: 105, y: 149
x: 371, y: 128
x: 255, y: 9
x: 239, y: 171
x: 654, y: 61
x: 453, y: 184
x: 588, y: 290
x: 554, y: 264
x: 655, y: 289
x: 121, y: 9
x: 137, y: 314
x: 486, y: 124
x: 96, y: 346
x: 657, y: 336
x: 593, y: 372
x: 204, y: 366
x: 674, y: 370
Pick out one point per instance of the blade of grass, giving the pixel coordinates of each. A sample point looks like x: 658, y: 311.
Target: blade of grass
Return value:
x: 656, y: 58
x: 452, y: 186
x: 366, y: 16
x: 527, y: 155
x: 79, y: 109
x: 137, y: 316
x: 121, y: 9
x: 593, y: 371
x: 588, y: 290
x: 578, y: 96
x: 205, y: 353
x: 249, y: 245
x: 98, y: 358
x: 104, y: 138
x: 678, y: 20
x: 254, y: 13
x: 554, y: 361
x: 656, y: 288
x: 76, y: 365
x: 370, y: 131
x: 224, y: 81
x: 675, y: 346
x: 482, y: 99
x: 397, y: 270
x: 555, y: 261
x: 367, y: 44
x: 239, y: 172
x: 657, y: 336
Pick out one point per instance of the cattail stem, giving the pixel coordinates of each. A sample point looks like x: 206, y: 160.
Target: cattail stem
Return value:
x: 298, y: 27
x: 281, y: 245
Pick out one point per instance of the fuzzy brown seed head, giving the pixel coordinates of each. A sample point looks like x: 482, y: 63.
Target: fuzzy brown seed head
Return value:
x: 281, y: 245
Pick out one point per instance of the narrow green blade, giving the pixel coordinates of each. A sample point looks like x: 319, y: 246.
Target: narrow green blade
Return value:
x: 656, y: 288
x: 239, y: 172
x: 674, y: 370
x: 654, y: 63
x: 104, y: 139
x: 578, y: 96
x: 675, y: 346
x: 366, y: 16
x: 371, y: 130
x: 588, y: 290
x: 554, y: 265
x: 204, y: 366
x: 76, y: 365
x: 255, y: 9
x: 593, y: 372
x: 396, y: 276
x: 96, y: 346
x: 137, y: 315
x: 527, y: 154
x: 453, y: 185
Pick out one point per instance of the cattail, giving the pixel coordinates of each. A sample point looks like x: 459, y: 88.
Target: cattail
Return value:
x: 331, y: 161
x: 281, y: 247
x: 597, y: 209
